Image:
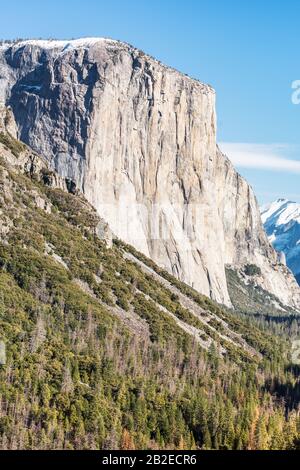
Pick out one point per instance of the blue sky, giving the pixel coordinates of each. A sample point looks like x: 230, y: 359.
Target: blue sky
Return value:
x: 247, y: 50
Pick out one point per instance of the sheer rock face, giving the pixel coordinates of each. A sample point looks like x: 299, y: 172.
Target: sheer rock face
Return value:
x: 139, y: 139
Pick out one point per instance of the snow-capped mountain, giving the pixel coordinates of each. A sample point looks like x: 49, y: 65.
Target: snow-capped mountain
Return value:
x: 282, y: 223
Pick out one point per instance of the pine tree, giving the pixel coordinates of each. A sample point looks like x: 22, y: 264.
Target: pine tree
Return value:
x: 127, y: 442
x: 261, y: 434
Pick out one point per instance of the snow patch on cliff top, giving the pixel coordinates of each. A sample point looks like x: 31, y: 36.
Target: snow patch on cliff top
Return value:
x: 60, y: 47
x: 63, y: 45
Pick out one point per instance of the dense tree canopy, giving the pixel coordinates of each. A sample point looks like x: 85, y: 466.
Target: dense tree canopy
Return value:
x: 96, y: 357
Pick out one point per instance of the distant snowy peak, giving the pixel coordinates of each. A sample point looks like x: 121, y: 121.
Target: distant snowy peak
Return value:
x: 281, y: 211
x: 269, y: 209
x: 281, y: 220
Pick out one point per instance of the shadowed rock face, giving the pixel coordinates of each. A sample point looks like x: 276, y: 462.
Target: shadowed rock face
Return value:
x: 139, y: 139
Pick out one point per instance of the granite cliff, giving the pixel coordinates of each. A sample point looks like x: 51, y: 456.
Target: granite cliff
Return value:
x: 139, y: 139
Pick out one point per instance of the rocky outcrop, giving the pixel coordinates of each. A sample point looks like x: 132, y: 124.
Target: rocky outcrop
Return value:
x: 18, y: 156
x: 139, y: 139
x: 7, y: 121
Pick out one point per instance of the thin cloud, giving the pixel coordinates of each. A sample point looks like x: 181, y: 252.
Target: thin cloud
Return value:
x: 265, y: 157
x: 277, y: 195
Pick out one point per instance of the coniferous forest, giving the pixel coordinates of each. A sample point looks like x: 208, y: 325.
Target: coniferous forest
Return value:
x: 104, y: 350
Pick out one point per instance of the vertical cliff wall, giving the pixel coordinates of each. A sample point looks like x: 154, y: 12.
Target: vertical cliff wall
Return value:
x: 139, y: 139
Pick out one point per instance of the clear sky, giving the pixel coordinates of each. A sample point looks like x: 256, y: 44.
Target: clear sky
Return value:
x: 247, y: 50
